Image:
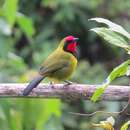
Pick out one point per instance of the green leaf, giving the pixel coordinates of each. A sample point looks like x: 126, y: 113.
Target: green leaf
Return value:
x: 56, y: 107
x: 5, y: 27
x: 125, y: 126
x: 5, y: 46
x: 9, y: 10
x: 112, y: 37
x: 15, y: 124
x: 26, y: 24
x: 98, y: 93
x: 114, y: 27
x: 48, y: 111
x: 119, y: 71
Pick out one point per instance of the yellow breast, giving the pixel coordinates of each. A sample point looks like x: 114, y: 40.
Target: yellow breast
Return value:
x: 64, y: 73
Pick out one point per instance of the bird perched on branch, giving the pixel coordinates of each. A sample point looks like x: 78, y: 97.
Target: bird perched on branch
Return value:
x: 59, y: 65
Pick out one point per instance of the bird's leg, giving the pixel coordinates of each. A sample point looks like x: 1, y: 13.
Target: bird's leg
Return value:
x: 51, y: 84
x: 68, y: 82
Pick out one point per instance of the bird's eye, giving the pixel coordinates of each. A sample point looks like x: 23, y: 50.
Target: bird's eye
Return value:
x: 69, y: 41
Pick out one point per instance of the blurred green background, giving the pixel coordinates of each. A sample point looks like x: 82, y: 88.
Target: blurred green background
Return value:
x: 29, y: 31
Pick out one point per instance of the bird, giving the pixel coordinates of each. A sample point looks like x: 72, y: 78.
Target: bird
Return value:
x: 59, y: 65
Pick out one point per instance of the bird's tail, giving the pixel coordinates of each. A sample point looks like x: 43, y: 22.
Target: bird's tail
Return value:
x: 32, y: 85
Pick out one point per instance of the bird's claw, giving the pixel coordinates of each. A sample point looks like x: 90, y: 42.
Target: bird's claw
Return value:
x: 67, y: 83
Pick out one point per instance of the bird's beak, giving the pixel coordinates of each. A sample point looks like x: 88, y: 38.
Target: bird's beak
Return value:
x: 76, y: 39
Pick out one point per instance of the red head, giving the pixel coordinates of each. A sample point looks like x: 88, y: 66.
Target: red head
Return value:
x: 70, y: 44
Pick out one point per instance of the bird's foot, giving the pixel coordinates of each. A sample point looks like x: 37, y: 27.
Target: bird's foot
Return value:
x: 67, y: 83
x: 51, y: 85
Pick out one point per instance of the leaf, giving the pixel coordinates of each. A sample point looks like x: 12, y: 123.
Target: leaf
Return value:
x: 119, y: 71
x: 48, y: 111
x: 5, y: 46
x: 15, y: 122
x: 98, y: 93
x: 112, y: 37
x: 9, y: 10
x: 5, y: 28
x: 107, y: 124
x: 56, y: 107
x: 114, y: 27
x: 128, y: 71
x: 111, y: 120
x: 26, y: 24
x: 125, y: 125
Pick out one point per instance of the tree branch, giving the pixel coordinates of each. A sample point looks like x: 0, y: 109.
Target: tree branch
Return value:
x: 75, y: 91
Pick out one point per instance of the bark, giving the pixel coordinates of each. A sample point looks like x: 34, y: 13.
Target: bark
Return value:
x: 74, y: 92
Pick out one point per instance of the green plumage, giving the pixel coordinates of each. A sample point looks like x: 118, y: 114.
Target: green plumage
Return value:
x: 59, y: 66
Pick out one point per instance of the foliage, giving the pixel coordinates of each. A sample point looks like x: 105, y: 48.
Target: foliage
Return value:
x: 112, y: 26
x: 28, y: 112
x: 125, y: 125
x: 109, y: 123
x: 118, y: 36
x: 119, y: 71
x: 9, y: 11
x: 29, y: 31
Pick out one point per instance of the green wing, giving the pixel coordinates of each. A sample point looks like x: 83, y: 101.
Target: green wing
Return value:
x: 52, y: 67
